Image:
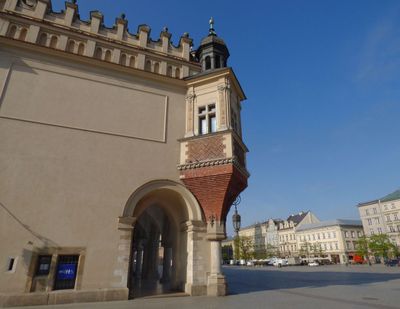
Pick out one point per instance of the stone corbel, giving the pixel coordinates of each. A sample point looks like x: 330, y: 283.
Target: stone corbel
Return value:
x: 126, y: 223
x: 215, y: 229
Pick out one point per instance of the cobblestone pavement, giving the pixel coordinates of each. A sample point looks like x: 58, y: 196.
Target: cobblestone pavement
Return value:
x: 289, y: 287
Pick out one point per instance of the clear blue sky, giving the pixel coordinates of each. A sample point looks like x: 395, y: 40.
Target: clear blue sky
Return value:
x: 323, y: 85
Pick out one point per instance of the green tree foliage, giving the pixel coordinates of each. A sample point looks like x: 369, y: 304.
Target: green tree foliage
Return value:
x: 245, y: 246
x: 381, y: 245
x: 362, y: 246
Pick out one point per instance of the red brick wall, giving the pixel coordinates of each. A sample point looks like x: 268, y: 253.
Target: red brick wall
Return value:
x: 206, y: 148
x: 215, y: 187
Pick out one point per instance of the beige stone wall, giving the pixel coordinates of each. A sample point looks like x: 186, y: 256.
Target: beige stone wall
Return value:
x: 68, y: 166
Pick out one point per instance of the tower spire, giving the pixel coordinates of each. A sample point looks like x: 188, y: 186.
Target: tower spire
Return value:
x: 212, y: 30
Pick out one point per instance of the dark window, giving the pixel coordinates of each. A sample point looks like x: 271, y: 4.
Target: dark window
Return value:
x: 43, y: 265
x: 11, y: 262
x: 208, y: 63
x: 67, y: 266
x: 217, y: 62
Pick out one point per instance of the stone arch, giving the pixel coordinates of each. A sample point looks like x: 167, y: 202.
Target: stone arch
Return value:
x: 156, y: 67
x: 147, y: 66
x: 177, y: 73
x: 122, y: 60
x: 53, y: 41
x: 98, y: 54
x: 22, y: 34
x: 43, y: 39
x: 159, y: 216
x: 81, y: 49
x: 12, y: 31
x: 71, y: 46
x: 194, y: 210
x: 107, y: 56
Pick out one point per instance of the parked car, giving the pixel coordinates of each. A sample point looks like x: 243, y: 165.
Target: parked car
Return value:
x: 392, y: 263
x: 281, y: 262
x: 313, y: 263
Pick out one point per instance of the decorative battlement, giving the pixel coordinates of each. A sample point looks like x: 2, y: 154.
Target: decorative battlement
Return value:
x: 35, y: 22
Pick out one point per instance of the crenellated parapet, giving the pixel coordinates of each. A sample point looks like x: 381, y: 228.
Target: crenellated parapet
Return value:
x: 35, y: 22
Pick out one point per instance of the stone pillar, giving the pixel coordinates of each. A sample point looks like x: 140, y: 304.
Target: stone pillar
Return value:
x: 190, y: 98
x: 216, y: 283
x: 167, y: 260
x: 121, y: 270
x: 224, y: 96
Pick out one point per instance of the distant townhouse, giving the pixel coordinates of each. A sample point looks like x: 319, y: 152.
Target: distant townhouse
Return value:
x: 334, y: 239
x: 287, y: 232
x: 382, y: 216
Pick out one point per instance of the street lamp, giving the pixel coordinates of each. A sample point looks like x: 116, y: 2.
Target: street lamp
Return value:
x: 236, y: 219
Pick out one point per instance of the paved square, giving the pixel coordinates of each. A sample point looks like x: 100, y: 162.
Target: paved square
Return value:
x: 297, y: 287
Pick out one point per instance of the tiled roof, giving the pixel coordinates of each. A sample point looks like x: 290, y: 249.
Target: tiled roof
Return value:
x: 392, y: 196
x: 298, y: 218
x: 341, y: 222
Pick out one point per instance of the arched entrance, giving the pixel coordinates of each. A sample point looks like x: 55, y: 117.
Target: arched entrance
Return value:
x: 160, y: 247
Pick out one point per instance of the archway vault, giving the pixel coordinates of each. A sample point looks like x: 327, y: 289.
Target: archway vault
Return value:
x: 193, y: 208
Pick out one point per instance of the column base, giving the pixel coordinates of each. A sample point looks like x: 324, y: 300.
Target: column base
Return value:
x: 195, y: 290
x: 216, y: 285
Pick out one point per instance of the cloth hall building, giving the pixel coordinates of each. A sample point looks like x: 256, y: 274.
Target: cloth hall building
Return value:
x: 120, y: 158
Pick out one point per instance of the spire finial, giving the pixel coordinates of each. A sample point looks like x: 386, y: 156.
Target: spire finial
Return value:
x: 212, y: 30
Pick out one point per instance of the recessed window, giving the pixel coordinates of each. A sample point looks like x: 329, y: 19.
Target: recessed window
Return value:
x: 67, y: 266
x: 11, y: 264
x: 207, y: 119
x: 43, y: 265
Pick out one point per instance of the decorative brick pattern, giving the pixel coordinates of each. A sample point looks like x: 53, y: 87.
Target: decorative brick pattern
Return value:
x: 206, y: 148
x: 239, y: 153
x: 215, y: 187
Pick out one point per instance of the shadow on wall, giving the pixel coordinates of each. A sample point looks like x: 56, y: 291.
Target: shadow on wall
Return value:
x: 242, y: 281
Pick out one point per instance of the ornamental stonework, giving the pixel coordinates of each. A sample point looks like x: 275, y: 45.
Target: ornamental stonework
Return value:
x: 207, y: 148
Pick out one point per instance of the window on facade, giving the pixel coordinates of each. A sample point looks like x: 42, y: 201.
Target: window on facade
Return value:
x: 336, y: 246
x: 81, y: 49
x: 375, y: 211
x: 22, y: 34
x: 395, y: 216
x: 353, y: 234
x: 107, y: 56
x: 43, y: 265
x: 11, y: 264
x: 334, y: 234
x: 323, y: 235
x: 67, y: 266
x: 372, y: 231
x: 318, y: 236
x: 208, y: 62
x: 377, y: 221
x: 207, y: 119
x: 379, y: 230
x: 346, y: 234
x: 43, y: 39
x: 369, y: 221
x: 328, y: 235
x: 53, y: 42
x: 388, y: 218
x: 367, y: 212
x: 391, y: 228
x: 398, y: 228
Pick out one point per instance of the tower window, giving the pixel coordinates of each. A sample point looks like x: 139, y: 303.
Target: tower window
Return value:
x: 43, y: 265
x: 217, y: 62
x: 207, y: 119
x: 208, y: 63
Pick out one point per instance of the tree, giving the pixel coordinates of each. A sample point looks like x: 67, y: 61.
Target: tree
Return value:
x: 245, y: 246
x: 381, y: 245
x: 305, y: 250
x: 362, y: 247
x: 317, y: 250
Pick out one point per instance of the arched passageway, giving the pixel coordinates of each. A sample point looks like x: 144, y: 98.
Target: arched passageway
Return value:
x: 160, y: 253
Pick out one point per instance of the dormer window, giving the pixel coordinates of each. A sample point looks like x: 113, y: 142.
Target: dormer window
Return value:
x: 207, y: 119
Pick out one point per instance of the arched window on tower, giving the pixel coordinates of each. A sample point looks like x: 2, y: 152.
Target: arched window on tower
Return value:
x: 12, y: 31
x: 122, y: 60
x: 217, y: 60
x: 81, y: 49
x: 147, y: 66
x: 43, y: 39
x: 98, y: 53
x: 22, y: 34
x: 71, y: 46
x: 53, y: 41
x: 132, y: 62
x: 208, y: 62
x: 107, y: 56
x: 157, y: 68
x: 169, y: 71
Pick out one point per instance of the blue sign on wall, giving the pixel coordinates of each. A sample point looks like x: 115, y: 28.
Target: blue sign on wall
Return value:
x: 66, y: 271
